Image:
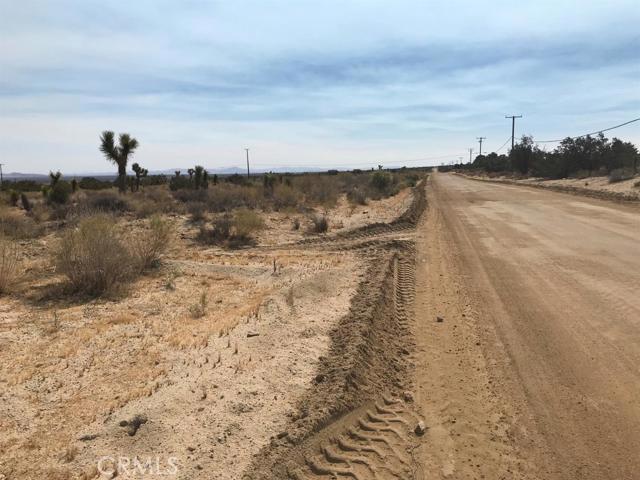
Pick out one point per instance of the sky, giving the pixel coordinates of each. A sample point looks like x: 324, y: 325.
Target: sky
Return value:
x: 325, y: 83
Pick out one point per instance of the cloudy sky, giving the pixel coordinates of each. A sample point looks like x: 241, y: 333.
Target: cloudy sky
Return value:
x: 327, y: 83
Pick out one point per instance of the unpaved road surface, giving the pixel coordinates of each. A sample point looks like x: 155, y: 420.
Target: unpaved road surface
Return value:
x: 534, y: 369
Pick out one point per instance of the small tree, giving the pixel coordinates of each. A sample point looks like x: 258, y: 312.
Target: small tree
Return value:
x: 140, y: 173
x: 54, y: 178
x: 198, y: 171
x: 119, y: 155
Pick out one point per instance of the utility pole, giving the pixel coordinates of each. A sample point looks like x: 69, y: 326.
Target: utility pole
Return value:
x: 480, y: 139
x: 247, y: 150
x: 513, y: 127
x: 470, y: 154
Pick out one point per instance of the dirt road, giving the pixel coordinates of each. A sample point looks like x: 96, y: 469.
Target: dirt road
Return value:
x: 533, y: 370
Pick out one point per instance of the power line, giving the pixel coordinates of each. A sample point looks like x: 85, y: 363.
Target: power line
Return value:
x: 591, y: 133
x: 504, y: 144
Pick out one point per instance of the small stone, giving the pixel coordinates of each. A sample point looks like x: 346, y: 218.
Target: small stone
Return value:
x: 421, y: 428
x: 408, y: 396
x: 439, y: 319
x: 319, y: 378
x: 252, y: 334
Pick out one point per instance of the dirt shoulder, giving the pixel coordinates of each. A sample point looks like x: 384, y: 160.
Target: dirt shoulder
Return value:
x: 595, y: 187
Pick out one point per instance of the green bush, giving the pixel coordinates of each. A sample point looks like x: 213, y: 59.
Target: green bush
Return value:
x: 59, y: 192
x: 91, y: 183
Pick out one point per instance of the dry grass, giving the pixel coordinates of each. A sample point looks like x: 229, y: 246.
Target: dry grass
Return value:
x: 247, y: 222
x: 8, y: 263
x: 93, y: 256
x: 148, y: 246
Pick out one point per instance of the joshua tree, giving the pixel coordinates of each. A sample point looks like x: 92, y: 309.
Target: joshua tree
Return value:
x: 118, y: 155
x: 198, y: 172
x: 205, y: 180
x: 54, y: 178
x: 140, y: 172
x: 191, y: 171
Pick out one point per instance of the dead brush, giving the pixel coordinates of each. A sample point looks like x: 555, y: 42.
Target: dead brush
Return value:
x: 290, y: 298
x: 148, y: 246
x: 199, y: 309
x: 8, y: 263
x: 93, y: 256
x: 319, y: 223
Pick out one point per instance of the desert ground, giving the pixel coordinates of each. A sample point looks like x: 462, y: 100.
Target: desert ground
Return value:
x: 457, y: 329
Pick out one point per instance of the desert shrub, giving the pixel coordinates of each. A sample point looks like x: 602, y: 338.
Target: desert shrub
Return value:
x: 318, y: 189
x: 39, y: 212
x: 319, y: 223
x: 296, y: 224
x: 59, y: 192
x: 199, y: 309
x: 61, y: 211
x: 220, y: 231
x: 357, y: 196
x: 90, y: 183
x: 190, y: 195
x: 237, y: 179
x: 26, y: 204
x: 226, y: 197
x: 637, y: 184
x: 93, y: 256
x: 14, y: 196
x: 153, y: 201
x: 16, y: 225
x: 381, y: 181
x: 8, y: 263
x: 107, y: 202
x: 232, y: 231
x: 285, y: 196
x: 22, y: 185
x: 619, y: 175
x: 180, y: 182
x: 246, y: 223
x: 147, y: 247
x: 197, y: 211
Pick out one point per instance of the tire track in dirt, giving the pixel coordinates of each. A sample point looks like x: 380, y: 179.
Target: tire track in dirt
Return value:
x: 357, y: 419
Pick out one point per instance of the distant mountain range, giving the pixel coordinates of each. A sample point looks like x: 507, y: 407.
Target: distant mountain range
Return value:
x: 168, y: 171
